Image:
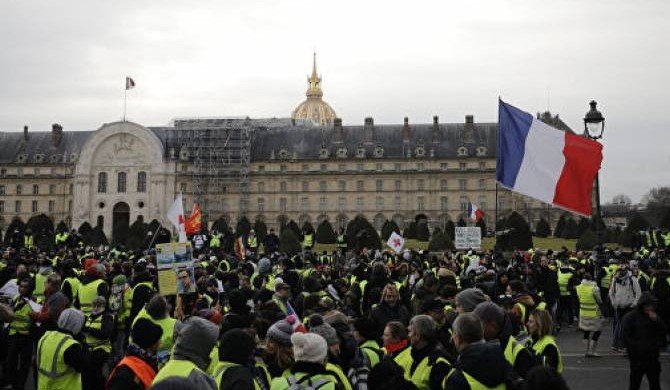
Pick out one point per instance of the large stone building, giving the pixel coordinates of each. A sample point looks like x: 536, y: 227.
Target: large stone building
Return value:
x: 307, y: 168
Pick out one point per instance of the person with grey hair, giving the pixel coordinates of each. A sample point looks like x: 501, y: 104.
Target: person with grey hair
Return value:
x: 480, y: 365
x: 98, y: 332
x: 425, y: 362
x: 55, y: 303
x: 61, y: 359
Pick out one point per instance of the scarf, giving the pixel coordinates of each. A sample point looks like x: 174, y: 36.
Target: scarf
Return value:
x: 393, y: 348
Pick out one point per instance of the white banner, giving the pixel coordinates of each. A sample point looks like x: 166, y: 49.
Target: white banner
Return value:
x: 468, y: 237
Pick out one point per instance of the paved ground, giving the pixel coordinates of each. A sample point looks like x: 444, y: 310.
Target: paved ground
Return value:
x: 608, y: 372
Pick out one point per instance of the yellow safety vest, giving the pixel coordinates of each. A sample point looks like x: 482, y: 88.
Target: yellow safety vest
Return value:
x: 477, y: 385
x: 27, y: 242
x: 74, y: 285
x: 87, y: 293
x: 308, y: 240
x: 52, y: 372
x: 215, y: 241
x: 176, y: 368
x: 563, y: 280
x: 21, y: 322
x: 340, y: 241
x: 588, y: 306
x: 606, y: 280
x: 371, y: 349
x: 252, y: 241
x: 541, y: 344
x: 512, y: 350
x: 344, y: 381
x: 285, y: 381
x: 220, y: 371
x: 421, y: 374
x: 167, y: 324
x: 40, y: 281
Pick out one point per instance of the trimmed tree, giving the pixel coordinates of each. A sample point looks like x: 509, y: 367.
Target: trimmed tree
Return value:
x: 583, y: 225
x: 220, y: 225
x: 560, y: 227
x: 261, y: 230
x: 360, y: 233
x: 450, y: 229
x: 85, y: 230
x: 42, y: 228
x: 61, y: 227
x: 519, y: 236
x: 665, y: 221
x: 307, y: 227
x: 97, y: 237
x: 482, y: 225
x: 294, y: 227
x: 325, y: 233
x: 630, y: 236
x: 440, y: 241
x: 422, y: 232
x: 137, y: 234
x: 542, y: 229
x: 410, y: 231
x: 587, y: 240
x: 243, y: 226
x: 570, y: 230
x: 388, y: 228
x: 16, y: 224
x: 461, y: 223
x: 289, y: 242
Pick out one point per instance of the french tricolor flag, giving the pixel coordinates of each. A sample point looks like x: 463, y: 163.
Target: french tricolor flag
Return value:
x: 474, y: 213
x: 545, y: 163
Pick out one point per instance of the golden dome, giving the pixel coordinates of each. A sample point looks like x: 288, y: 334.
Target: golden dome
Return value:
x: 314, y: 108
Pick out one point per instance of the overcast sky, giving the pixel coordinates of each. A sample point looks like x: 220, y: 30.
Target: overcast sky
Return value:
x: 65, y: 62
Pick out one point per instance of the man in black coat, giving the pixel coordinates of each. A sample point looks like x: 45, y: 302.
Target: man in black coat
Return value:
x: 644, y: 334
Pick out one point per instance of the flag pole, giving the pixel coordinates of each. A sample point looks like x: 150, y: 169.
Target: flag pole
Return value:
x: 160, y: 226
x: 495, y: 221
x: 125, y: 100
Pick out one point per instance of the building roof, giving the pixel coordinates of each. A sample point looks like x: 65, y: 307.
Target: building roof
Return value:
x: 39, y: 147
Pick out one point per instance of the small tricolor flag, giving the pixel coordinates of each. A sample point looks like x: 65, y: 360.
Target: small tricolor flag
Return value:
x: 292, y: 318
x: 175, y: 214
x: 474, y: 213
x: 130, y: 83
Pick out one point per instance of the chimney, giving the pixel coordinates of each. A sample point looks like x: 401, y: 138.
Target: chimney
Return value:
x: 436, y: 129
x: 339, y: 131
x: 25, y: 132
x: 56, y: 134
x: 406, y: 131
x: 369, y: 130
x: 469, y: 119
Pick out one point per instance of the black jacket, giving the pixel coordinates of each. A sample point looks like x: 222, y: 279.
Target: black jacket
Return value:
x: 382, y: 314
x: 643, y: 337
x: 483, y: 361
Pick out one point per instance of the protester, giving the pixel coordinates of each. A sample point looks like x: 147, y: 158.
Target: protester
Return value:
x: 623, y: 294
x: 540, y: 327
x: 21, y: 334
x: 137, y: 369
x: 310, y: 351
x: 590, y: 319
x: 388, y: 309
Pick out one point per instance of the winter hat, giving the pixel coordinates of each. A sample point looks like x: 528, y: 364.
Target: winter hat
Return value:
x: 280, y: 332
x: 490, y: 312
x: 145, y: 333
x: 309, y: 347
x: 316, y: 325
x: 195, y: 339
x: 211, y: 315
x: 469, y: 298
x: 264, y: 266
x: 236, y: 346
x: 119, y: 280
x: 71, y: 320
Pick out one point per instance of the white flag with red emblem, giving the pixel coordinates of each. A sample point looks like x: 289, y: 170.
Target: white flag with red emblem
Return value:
x: 130, y: 83
x: 175, y: 215
x: 396, y: 242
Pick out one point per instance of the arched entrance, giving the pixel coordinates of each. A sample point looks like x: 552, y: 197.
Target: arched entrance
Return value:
x: 120, y: 223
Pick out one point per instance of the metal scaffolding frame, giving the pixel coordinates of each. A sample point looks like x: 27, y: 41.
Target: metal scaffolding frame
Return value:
x: 217, y: 154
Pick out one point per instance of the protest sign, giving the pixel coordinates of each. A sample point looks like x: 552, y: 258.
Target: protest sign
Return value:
x: 468, y: 237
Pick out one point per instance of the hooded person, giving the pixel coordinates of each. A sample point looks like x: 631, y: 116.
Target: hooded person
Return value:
x: 310, y: 351
x: 61, y: 358
x: 235, y: 369
x: 138, y: 367
x: 195, y: 338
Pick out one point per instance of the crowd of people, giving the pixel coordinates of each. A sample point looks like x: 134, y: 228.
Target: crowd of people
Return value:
x: 78, y: 317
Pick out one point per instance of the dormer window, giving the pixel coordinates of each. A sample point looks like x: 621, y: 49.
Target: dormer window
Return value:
x: 283, y: 153
x: 324, y: 153
x: 481, y: 151
x: 360, y: 152
x: 342, y: 152
x: 420, y: 151
x: 462, y: 151
x: 379, y: 151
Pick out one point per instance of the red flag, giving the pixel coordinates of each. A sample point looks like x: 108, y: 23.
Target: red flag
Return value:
x: 239, y: 248
x: 194, y: 221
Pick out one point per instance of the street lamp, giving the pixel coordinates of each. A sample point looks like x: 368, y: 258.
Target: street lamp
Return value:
x: 594, y: 128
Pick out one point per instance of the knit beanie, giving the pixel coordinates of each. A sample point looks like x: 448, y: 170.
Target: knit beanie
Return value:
x: 71, y: 320
x: 469, y: 298
x: 119, y: 280
x: 316, y: 325
x: 145, y: 333
x: 264, y: 266
x: 236, y: 346
x: 280, y: 332
x: 309, y: 347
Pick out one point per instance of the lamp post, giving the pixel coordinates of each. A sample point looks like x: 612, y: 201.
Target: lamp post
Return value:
x: 594, y: 128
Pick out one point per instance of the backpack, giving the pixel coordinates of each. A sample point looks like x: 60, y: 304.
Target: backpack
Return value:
x: 305, y: 383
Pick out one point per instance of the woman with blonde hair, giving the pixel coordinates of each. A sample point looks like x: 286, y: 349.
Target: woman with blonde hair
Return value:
x: 544, y: 345
x: 390, y: 308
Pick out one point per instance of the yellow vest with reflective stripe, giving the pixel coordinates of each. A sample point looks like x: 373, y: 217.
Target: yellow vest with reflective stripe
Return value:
x: 588, y: 306
x: 371, y: 349
x: 344, y: 381
x: 477, y: 385
x: 541, y: 344
x: 40, y: 281
x: 606, y: 280
x: 176, y: 368
x: 74, y: 285
x: 27, y: 242
x: 87, y: 293
x: 563, y: 280
x: 282, y: 382
x: 167, y: 324
x: 308, y: 240
x: 94, y: 342
x: 52, y: 372
x: 252, y: 242
x: 21, y: 322
x: 421, y: 375
x: 512, y: 350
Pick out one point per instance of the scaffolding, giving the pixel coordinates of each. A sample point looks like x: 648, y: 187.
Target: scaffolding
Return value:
x: 213, y: 155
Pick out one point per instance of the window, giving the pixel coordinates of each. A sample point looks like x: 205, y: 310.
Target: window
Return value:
x: 462, y: 166
x: 444, y: 203
x: 34, y: 206
x: 261, y: 205
x: 397, y: 167
x: 282, y: 186
x: 482, y: 165
x: 261, y: 168
x: 3, y: 172
x: 102, y: 182
x: 323, y: 204
x: 444, y: 166
x: 52, y: 206
x: 142, y: 181
x: 379, y: 202
x: 17, y: 206
x: 324, y: 168
x: 341, y: 167
x: 419, y: 166
x: 444, y: 185
x: 359, y: 185
x: 421, y: 184
x: 323, y: 186
x: 52, y: 189
x: 121, y: 182
x: 462, y: 184
x: 70, y: 189
x: 397, y: 202
x: 379, y: 185
x: 482, y: 184
x: 359, y: 167
x: 19, y: 189
x: 282, y: 168
x: 244, y: 206
x: 305, y: 186
x: 282, y: 205
x: 398, y: 185
x: 184, y: 168
x: 421, y: 203
x: 379, y: 166
x: 342, y: 185
x: 341, y: 203
x: 2, y: 190
x: 2, y: 206
x: 182, y: 187
x: 359, y: 203
x: 304, y: 204
x: 464, y: 203
x: 69, y: 206
x: 37, y: 171
x: 36, y: 189
x: 305, y: 167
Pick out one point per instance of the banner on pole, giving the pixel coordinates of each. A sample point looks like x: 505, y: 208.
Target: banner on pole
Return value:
x: 468, y: 237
